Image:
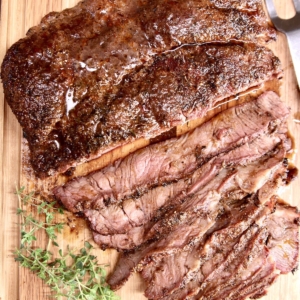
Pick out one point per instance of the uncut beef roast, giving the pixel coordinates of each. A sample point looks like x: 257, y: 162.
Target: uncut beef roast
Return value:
x: 198, y: 216
x: 104, y: 73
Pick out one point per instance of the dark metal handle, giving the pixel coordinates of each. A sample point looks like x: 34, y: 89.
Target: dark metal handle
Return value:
x: 293, y: 38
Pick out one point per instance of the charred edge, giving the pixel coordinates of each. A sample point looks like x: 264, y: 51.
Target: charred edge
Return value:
x: 295, y: 269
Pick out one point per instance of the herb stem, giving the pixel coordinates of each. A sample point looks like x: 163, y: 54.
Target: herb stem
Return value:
x: 74, y: 275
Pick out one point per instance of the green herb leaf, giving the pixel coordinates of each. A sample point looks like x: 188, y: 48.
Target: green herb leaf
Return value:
x: 74, y: 275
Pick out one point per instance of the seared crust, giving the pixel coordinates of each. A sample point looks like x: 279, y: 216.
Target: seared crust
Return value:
x: 60, y: 79
x: 176, y: 87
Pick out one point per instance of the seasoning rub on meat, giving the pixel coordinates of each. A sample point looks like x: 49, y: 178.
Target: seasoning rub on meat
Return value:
x: 99, y: 75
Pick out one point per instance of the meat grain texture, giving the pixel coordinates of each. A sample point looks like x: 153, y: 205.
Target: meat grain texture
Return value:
x: 197, y: 216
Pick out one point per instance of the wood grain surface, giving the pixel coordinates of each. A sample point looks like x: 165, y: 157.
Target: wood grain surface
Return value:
x: 17, y: 16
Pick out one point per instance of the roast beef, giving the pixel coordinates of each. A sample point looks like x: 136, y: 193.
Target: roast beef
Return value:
x: 187, y: 212
x: 240, y: 215
x: 198, y: 216
x: 203, y: 260
x: 175, y: 248
x: 234, y: 262
x: 126, y: 223
x: 259, y: 275
x: 263, y: 268
x: 171, y: 160
x: 256, y: 275
x: 82, y: 82
x: 121, y: 217
x: 190, y: 211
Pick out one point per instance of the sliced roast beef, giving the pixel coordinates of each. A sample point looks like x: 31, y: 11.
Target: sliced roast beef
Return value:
x: 283, y: 250
x: 250, y: 278
x: 232, y: 267
x: 230, y: 271
x: 160, y: 258
x: 260, y: 268
x: 133, y: 212
x: 182, y: 261
x: 247, y: 251
x: 210, y: 177
x: 257, y: 279
x: 167, y: 207
x: 209, y: 257
x: 283, y: 241
x: 130, y: 261
x: 167, y: 161
x: 259, y: 287
x: 177, y: 225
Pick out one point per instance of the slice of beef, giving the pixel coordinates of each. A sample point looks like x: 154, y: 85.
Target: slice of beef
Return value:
x: 252, y: 265
x: 204, y: 262
x: 252, y: 277
x: 283, y: 241
x: 133, y: 212
x: 173, y: 159
x: 210, y: 177
x: 243, y: 254
x: 259, y: 287
x: 283, y: 251
x: 258, y: 279
x: 68, y: 119
x: 126, y: 265
x: 150, y: 253
x: 260, y: 267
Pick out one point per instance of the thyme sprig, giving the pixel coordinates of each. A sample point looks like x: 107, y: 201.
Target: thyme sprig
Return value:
x: 70, y: 275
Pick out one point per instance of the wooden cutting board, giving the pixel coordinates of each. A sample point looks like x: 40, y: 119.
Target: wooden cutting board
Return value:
x: 17, y: 16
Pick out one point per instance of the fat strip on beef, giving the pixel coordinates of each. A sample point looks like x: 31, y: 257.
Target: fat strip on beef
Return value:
x: 176, y: 87
x: 171, y: 160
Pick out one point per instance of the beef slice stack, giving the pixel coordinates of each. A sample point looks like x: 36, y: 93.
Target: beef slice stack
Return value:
x: 199, y: 216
